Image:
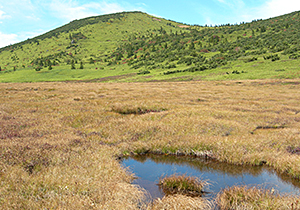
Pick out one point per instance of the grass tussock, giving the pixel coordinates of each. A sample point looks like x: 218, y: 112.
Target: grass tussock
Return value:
x: 243, y: 197
x: 134, y: 109
x: 182, y: 184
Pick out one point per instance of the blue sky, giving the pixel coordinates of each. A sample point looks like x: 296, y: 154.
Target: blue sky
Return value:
x: 22, y: 19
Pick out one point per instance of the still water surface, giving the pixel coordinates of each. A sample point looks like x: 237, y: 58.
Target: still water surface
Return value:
x: 149, y: 168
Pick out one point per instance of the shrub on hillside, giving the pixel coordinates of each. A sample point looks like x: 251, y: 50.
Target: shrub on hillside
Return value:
x: 38, y: 68
x: 274, y: 57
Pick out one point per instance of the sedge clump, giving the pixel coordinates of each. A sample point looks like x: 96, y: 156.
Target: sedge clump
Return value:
x: 182, y: 184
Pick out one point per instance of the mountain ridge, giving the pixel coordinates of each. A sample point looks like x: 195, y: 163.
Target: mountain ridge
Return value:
x: 72, y: 25
x: 136, y: 42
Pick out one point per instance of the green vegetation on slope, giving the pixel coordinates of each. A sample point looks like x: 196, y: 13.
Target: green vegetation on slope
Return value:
x: 135, y: 46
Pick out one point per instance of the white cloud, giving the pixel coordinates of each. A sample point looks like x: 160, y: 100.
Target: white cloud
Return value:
x: 271, y: 8
x: 32, y: 17
x: 17, y: 16
x: 6, y: 39
x: 18, y: 10
x: 274, y: 8
x: 68, y: 10
x: 107, y: 8
x: 142, y: 4
x: 3, y: 15
x: 71, y: 10
x: 240, y: 11
x: 233, y: 4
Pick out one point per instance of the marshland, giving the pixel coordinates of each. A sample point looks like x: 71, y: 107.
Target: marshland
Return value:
x: 60, y: 142
x: 150, y: 171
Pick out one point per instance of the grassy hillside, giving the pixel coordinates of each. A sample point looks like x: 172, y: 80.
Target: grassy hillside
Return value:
x: 135, y: 46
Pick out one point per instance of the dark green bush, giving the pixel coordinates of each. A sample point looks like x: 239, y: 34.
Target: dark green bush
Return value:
x: 144, y: 72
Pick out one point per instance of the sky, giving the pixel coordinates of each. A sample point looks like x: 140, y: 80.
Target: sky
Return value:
x: 23, y: 19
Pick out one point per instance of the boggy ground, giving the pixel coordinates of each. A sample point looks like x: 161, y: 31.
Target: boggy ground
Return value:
x: 59, y: 141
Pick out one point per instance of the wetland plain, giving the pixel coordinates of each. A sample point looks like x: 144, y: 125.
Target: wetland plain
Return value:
x: 61, y: 141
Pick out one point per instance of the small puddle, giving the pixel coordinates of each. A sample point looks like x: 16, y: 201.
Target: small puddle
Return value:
x: 149, y: 168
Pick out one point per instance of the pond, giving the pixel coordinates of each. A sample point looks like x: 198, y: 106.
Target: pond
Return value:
x: 149, y: 168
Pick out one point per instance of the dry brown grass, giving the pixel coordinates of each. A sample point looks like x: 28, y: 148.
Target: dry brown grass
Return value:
x: 243, y: 197
x: 181, y: 202
x: 58, y: 141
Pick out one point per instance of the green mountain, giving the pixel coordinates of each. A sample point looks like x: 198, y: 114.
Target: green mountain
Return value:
x: 134, y: 46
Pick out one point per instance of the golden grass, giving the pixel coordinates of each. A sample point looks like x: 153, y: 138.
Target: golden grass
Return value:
x: 243, y: 197
x: 59, y: 141
x: 181, y: 202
